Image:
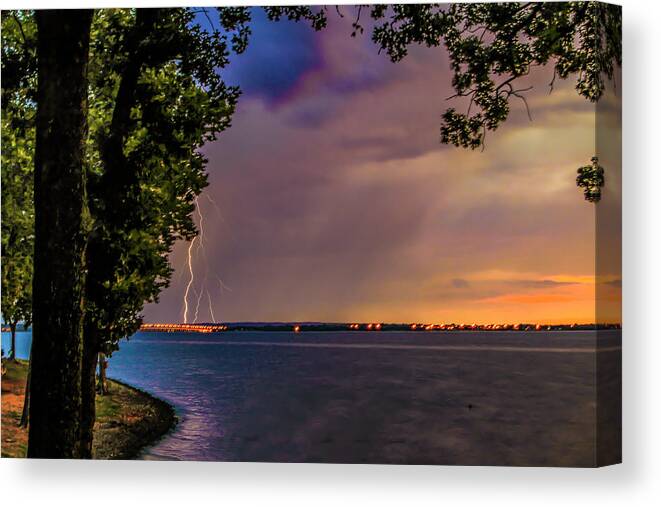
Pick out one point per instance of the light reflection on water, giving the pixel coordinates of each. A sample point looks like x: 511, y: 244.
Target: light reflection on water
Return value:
x: 400, y: 397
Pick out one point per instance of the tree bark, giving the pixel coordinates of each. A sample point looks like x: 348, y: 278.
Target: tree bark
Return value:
x: 103, y: 380
x: 26, y: 401
x: 12, y: 328
x: 88, y: 391
x: 60, y: 233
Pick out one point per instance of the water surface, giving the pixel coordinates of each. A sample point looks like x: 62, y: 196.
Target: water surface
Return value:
x: 507, y: 398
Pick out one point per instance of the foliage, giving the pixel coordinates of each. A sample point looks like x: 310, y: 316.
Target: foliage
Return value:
x: 491, y: 45
x: 18, y: 137
x: 17, y: 224
x: 236, y: 20
x: 591, y: 178
x: 156, y: 98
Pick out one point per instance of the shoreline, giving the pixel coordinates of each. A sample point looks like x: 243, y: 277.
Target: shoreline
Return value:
x: 129, y: 419
x: 166, y: 422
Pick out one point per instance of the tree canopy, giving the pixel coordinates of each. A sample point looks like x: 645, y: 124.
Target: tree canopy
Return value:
x: 157, y: 97
x: 492, y: 45
x: 18, y: 109
x: 17, y: 223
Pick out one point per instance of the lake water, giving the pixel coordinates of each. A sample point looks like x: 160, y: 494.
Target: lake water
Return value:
x: 500, y: 398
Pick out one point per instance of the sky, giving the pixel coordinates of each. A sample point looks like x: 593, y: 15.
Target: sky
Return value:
x: 331, y: 198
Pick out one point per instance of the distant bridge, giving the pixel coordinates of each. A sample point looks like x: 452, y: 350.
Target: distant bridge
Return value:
x: 188, y: 328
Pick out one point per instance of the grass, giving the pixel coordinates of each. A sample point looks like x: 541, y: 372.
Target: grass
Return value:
x: 127, y: 419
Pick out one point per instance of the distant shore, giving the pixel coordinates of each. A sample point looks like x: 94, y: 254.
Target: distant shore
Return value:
x: 297, y: 327
x: 128, y: 419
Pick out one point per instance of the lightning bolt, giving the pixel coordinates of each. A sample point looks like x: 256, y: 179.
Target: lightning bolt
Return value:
x: 215, y: 205
x: 197, y: 306
x: 222, y: 285
x: 200, y: 246
x: 190, y: 281
x: 195, y: 249
x: 210, y: 307
x: 191, y: 272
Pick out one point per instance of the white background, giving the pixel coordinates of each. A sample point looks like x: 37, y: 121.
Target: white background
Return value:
x: 636, y: 482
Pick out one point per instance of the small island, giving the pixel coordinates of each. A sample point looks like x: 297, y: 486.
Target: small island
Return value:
x: 127, y: 419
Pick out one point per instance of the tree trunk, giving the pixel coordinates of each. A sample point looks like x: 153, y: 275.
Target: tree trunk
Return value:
x: 88, y: 391
x: 26, y: 401
x: 12, y: 354
x: 103, y: 381
x: 61, y: 221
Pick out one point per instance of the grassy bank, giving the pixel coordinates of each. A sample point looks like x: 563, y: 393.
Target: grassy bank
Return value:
x: 127, y: 419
